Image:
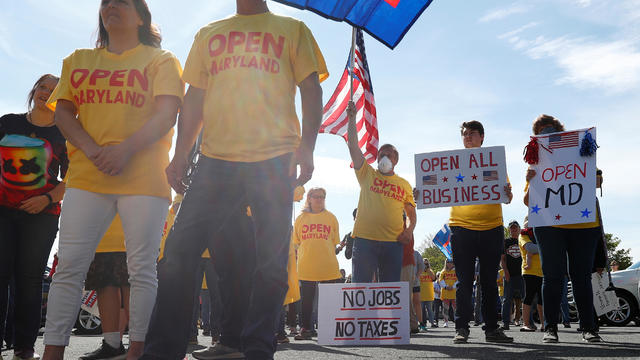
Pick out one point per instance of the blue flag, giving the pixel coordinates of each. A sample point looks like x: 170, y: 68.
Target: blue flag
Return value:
x: 443, y: 241
x: 386, y: 20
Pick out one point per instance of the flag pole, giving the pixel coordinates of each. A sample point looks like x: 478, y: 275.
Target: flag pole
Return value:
x: 352, y: 55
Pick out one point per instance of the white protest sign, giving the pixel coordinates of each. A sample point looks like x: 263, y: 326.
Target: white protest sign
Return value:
x: 461, y: 177
x: 603, y: 301
x: 564, y: 188
x: 363, y: 314
x: 90, y: 302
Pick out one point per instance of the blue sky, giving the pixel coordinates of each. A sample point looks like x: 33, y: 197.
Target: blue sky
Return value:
x: 500, y: 62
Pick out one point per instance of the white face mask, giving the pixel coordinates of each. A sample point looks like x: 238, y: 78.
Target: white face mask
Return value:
x: 385, y: 165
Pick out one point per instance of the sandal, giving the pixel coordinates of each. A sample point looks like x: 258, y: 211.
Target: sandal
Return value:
x: 527, y: 329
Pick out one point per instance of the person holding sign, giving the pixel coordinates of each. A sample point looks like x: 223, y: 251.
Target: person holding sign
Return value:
x: 316, y: 235
x: 384, y: 197
x: 575, y: 242
x: 477, y: 231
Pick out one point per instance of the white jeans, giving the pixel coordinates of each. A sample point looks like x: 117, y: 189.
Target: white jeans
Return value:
x: 84, y: 220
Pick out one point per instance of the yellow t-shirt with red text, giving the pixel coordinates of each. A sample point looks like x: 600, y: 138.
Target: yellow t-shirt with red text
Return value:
x: 381, y: 205
x: 249, y: 66
x: 317, y: 236
x: 426, y: 287
x: 450, y: 278
x: 114, y: 95
x: 113, y: 239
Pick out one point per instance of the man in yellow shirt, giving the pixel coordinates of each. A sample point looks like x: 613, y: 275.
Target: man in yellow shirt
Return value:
x: 477, y: 232
x: 243, y: 73
x: 379, y: 230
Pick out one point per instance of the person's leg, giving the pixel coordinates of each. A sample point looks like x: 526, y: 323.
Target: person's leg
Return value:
x: 477, y: 308
x: 464, y: 249
x: 564, y: 304
x: 195, y: 312
x: 364, y: 262
x: 307, y: 292
x: 429, y: 307
x: 84, y: 220
x: 109, y: 307
x: 215, y: 304
x: 445, y: 310
x: 202, y: 210
x: 8, y: 242
x: 582, y: 250
x: 390, y: 262
x: 270, y: 195
x: 417, y: 305
x: 506, y: 303
x: 489, y: 254
x: 125, y: 293
x: 205, y: 310
x: 407, y: 274
x: 529, y: 294
x: 553, y: 255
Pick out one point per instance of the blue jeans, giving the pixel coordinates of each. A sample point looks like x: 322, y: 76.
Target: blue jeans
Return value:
x: 487, y: 246
x: 369, y: 257
x: 511, y: 288
x: 427, y: 312
x: 209, y: 312
x: 25, y: 244
x: 250, y: 256
x: 579, y: 246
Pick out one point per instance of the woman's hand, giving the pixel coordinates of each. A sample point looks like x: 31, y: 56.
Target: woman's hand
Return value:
x: 530, y: 174
x: 34, y: 205
x: 112, y: 159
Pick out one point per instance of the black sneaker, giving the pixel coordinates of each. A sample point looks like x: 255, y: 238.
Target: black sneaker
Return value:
x: 550, y: 336
x: 497, y: 336
x: 218, y: 351
x: 591, y: 337
x: 105, y: 351
x: 462, y: 335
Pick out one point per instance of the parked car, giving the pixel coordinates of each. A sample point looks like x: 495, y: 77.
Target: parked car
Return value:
x: 626, y: 283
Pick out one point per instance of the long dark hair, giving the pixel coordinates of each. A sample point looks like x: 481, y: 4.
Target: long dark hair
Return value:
x: 148, y: 33
x: 32, y: 93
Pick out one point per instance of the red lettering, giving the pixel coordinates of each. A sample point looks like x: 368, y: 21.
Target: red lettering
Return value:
x: 474, y: 193
x: 265, y: 64
x: 118, y: 98
x: 491, y: 163
x: 98, y: 74
x: 472, y: 160
x: 269, y: 41
x: 377, y: 182
x: 326, y: 228
x: 422, y: 165
x: 494, y: 190
x: 582, y: 171
x: 486, y: 194
x: 116, y: 78
x: 140, y: 100
x: 253, y: 63
x: 90, y: 95
x: 142, y: 79
x: 305, y: 228
x: 130, y: 98
x: 100, y: 94
x: 219, y: 48
x: 235, y: 38
x: 275, y: 67
x: 75, y: 82
x: 253, y: 42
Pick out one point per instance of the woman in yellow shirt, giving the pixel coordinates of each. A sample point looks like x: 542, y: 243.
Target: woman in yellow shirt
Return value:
x: 116, y: 104
x: 316, y: 234
x: 532, y: 275
x: 427, y: 294
x: 448, y: 283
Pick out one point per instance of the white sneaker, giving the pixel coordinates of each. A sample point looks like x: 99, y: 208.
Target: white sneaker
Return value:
x: 446, y: 324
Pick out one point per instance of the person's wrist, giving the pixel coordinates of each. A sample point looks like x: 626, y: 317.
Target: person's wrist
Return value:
x: 48, y: 198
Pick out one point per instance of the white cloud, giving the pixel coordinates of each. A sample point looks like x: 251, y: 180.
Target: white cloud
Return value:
x: 512, y: 34
x: 583, y: 3
x: 499, y: 14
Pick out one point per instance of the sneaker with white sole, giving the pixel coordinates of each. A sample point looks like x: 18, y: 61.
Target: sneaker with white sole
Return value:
x: 550, y: 336
x: 462, y: 335
x: 218, y: 351
x: 106, y: 351
x: 591, y: 337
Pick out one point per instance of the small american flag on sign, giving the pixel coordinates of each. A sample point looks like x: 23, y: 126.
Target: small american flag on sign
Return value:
x: 490, y: 175
x: 564, y: 140
x: 429, y: 180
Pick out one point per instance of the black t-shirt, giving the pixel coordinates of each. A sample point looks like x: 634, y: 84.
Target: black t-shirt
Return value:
x: 58, y: 162
x: 513, y: 257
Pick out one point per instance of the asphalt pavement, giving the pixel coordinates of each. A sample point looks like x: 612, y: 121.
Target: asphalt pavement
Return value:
x: 620, y: 343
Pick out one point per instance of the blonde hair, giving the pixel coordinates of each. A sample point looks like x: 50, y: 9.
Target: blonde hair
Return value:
x: 307, y: 203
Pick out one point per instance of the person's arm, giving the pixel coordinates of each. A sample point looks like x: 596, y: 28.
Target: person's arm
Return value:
x: 68, y: 124
x: 530, y: 174
x: 432, y: 276
x: 112, y: 159
x: 508, y: 192
x: 531, y: 248
x: 189, y: 125
x: 354, y: 150
x: 503, y: 262
x: 405, y: 236
x: 311, y: 96
x: 36, y: 204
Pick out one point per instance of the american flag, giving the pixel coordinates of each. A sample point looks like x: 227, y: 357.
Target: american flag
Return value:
x: 490, y: 175
x: 334, y: 120
x: 564, y: 140
x: 430, y: 180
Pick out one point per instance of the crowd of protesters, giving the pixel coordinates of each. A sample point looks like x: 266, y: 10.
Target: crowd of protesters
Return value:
x: 99, y: 136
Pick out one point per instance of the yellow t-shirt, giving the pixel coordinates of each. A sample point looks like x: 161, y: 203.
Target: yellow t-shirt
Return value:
x: 449, y: 277
x: 293, y: 293
x: 500, y: 282
x: 317, y: 236
x: 426, y: 287
x: 114, y: 95
x: 535, y: 268
x: 249, y: 66
x: 113, y: 239
x: 588, y: 225
x: 168, y: 224
x: 381, y: 204
x: 476, y: 217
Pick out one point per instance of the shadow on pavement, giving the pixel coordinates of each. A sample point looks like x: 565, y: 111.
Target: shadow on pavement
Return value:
x: 315, y: 347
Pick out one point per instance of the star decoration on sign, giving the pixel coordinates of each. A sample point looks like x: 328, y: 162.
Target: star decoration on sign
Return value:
x: 445, y: 179
x: 586, y: 213
x: 474, y: 177
x: 459, y: 178
x: 535, y: 209
x: 558, y: 217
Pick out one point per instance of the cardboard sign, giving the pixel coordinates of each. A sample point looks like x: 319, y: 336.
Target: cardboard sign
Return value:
x: 461, y: 177
x: 363, y: 314
x: 564, y: 188
x: 603, y: 301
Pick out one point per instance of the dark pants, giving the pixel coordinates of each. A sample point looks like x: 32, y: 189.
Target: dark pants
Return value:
x: 486, y: 245
x: 371, y: 257
x: 579, y: 246
x: 211, y: 304
x: 512, y: 290
x: 25, y: 244
x: 250, y: 256
x: 308, y: 292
